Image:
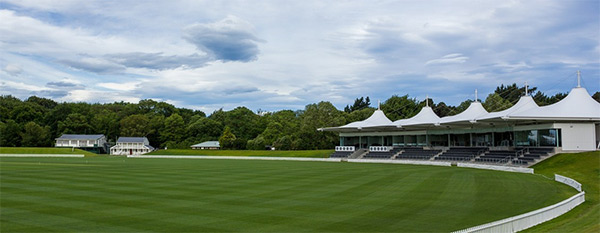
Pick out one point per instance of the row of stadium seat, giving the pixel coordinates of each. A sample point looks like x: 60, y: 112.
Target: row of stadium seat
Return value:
x: 461, y: 153
x: 382, y: 155
x: 417, y: 153
x: 519, y: 156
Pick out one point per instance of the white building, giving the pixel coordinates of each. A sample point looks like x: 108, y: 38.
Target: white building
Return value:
x: 208, y: 145
x: 572, y: 124
x: 90, y: 142
x: 131, y: 146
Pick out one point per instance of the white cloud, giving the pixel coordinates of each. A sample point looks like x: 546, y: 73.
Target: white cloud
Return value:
x: 126, y: 86
x: 290, y: 54
x: 454, y: 58
x: 98, y: 97
x: 13, y: 69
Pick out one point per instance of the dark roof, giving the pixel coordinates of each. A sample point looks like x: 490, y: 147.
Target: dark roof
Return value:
x: 81, y: 136
x: 132, y: 139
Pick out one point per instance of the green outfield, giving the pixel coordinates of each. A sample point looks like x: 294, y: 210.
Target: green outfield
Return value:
x: 108, y: 194
x: 43, y: 150
x: 585, y: 168
x: 267, y: 153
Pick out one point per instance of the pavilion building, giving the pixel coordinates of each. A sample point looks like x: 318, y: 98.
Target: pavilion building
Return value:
x: 572, y: 124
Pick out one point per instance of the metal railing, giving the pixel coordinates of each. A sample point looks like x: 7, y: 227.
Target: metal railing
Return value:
x: 460, y: 158
x: 380, y: 148
x: 418, y: 157
x: 344, y: 148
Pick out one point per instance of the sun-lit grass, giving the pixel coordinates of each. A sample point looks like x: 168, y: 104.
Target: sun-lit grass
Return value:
x: 585, y: 168
x: 43, y: 150
x: 268, y: 153
x: 117, y: 194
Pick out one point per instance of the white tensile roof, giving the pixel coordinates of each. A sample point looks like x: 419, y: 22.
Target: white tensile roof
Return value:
x: 377, y: 119
x: 474, y: 111
x: 424, y: 117
x: 578, y: 105
x: 525, y: 103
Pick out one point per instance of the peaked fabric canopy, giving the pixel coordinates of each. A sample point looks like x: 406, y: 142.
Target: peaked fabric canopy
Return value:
x: 377, y: 119
x: 525, y: 103
x: 577, y: 105
x: 425, y: 117
x: 474, y: 111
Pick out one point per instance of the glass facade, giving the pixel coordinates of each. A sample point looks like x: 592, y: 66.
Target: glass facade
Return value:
x: 460, y: 139
x: 542, y: 137
x: 398, y: 141
x: 522, y: 138
x: 438, y: 140
x: 482, y: 139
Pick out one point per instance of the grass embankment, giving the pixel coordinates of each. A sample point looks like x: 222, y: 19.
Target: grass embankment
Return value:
x: 116, y: 194
x: 43, y: 150
x: 266, y: 153
x: 585, y: 168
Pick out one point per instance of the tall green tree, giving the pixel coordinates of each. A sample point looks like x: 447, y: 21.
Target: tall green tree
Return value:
x: 243, y: 123
x: 494, y: 102
x: 400, y: 107
x: 512, y: 92
x: 441, y: 109
x: 106, y: 122
x: 359, y: 115
x: 75, y: 123
x: 359, y: 103
x: 174, y: 129
x: 205, y: 129
x: 135, y: 126
x: 35, y: 135
x: 10, y: 133
x: 315, y: 116
x: 227, y: 140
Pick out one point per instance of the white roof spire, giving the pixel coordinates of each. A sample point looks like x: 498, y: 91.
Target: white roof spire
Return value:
x: 578, y: 78
x: 427, y: 100
x: 476, y: 95
x: 378, y: 104
x: 526, y: 93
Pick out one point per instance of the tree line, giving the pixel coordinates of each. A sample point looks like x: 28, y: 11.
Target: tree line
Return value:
x: 38, y: 121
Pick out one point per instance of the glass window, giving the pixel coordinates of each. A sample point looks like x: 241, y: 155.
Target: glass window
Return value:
x: 350, y: 141
x: 387, y: 141
x: 421, y: 140
x: 532, y: 137
x: 411, y: 140
x: 459, y: 140
x: 438, y: 140
x: 482, y: 139
x: 398, y: 140
x: 375, y: 140
x: 547, y: 137
x: 521, y: 138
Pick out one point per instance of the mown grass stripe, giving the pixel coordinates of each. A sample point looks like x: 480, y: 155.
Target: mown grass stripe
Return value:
x: 267, y: 196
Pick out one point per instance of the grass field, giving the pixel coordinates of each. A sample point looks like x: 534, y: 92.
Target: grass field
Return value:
x: 585, y: 168
x: 43, y: 150
x: 267, y: 153
x: 120, y: 194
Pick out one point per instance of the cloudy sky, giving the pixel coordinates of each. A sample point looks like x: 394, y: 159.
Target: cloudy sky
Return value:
x: 274, y: 55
